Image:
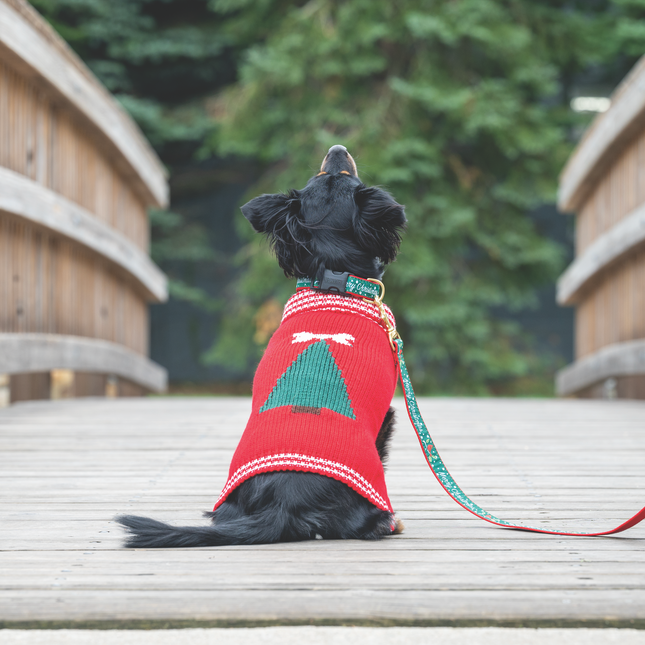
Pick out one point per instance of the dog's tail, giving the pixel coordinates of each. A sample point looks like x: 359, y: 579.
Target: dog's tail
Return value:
x: 146, y: 533
x: 272, y: 507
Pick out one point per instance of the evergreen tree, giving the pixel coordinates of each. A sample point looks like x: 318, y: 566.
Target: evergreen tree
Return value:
x: 162, y: 60
x: 461, y: 110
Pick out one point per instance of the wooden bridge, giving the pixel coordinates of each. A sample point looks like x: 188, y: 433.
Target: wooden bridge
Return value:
x: 603, y: 184
x: 68, y: 467
x: 76, y: 177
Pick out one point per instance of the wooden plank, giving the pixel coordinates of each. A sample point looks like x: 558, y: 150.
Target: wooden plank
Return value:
x: 338, y: 606
x: 487, y: 578
x: 607, y: 134
x: 623, y: 238
x: 67, y: 467
x: 28, y: 200
x: 50, y: 561
x: 611, y: 316
x: 21, y: 353
x: 25, y: 36
x: 618, y: 359
x: 53, y: 289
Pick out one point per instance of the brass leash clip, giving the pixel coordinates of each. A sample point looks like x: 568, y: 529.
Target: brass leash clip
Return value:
x: 392, y: 334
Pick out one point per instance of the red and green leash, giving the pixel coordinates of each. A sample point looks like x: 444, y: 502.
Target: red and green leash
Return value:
x: 445, y: 478
x: 374, y: 290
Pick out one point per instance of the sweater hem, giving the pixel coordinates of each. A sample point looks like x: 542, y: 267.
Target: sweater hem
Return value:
x: 305, y: 463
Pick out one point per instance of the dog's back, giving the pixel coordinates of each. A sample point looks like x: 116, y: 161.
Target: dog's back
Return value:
x: 335, y: 223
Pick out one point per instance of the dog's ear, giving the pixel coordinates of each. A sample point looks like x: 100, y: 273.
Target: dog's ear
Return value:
x: 378, y: 222
x: 268, y: 212
x: 278, y: 217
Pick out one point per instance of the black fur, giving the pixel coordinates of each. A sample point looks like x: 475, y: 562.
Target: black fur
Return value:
x: 384, y: 436
x: 335, y: 222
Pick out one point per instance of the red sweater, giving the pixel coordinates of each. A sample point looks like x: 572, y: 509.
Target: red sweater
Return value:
x: 320, y: 395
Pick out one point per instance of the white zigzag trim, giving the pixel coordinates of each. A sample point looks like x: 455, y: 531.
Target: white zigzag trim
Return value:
x: 299, y: 310
x: 308, y: 300
x: 333, y: 468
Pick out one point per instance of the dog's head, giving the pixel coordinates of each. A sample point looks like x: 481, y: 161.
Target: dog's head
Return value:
x: 335, y: 222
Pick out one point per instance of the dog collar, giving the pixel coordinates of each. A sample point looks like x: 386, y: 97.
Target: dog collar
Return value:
x: 339, y: 282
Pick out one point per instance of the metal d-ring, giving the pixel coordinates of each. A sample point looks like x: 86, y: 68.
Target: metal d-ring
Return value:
x: 392, y: 334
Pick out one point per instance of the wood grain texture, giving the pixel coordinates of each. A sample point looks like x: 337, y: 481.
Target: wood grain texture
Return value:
x: 51, y: 146
x: 620, y: 359
x: 607, y: 134
x: 32, y: 202
x: 615, y: 195
x: 51, y: 285
x: 21, y: 353
x: 76, y: 178
x: 604, y: 181
x: 624, y: 237
x: 612, y: 309
x: 49, y: 60
x: 67, y: 467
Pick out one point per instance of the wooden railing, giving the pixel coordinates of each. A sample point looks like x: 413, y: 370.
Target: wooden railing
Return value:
x: 76, y: 178
x: 604, y: 183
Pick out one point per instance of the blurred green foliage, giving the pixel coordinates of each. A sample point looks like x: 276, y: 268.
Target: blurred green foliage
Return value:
x: 460, y: 108
x: 162, y: 60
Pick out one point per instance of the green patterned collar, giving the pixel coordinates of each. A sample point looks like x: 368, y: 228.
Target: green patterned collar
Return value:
x: 342, y: 283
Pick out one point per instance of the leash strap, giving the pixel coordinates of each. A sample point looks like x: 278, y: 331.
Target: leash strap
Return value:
x: 374, y: 290
x: 445, y: 478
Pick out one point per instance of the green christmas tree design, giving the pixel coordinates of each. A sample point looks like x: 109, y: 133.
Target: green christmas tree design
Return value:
x: 313, y: 381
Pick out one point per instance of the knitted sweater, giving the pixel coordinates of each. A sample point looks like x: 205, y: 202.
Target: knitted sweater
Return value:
x: 320, y: 395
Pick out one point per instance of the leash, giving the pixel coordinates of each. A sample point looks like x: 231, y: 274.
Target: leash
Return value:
x: 374, y: 290
x: 445, y: 478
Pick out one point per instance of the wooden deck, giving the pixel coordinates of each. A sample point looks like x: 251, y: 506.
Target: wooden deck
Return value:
x: 68, y: 467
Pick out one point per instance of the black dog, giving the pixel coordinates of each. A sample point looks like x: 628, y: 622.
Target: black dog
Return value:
x: 335, y: 223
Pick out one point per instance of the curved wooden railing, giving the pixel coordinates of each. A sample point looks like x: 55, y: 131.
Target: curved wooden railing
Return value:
x: 38, y: 205
x: 47, y: 352
x: 76, y: 178
x: 623, y: 239
x: 603, y: 183
x: 38, y: 53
